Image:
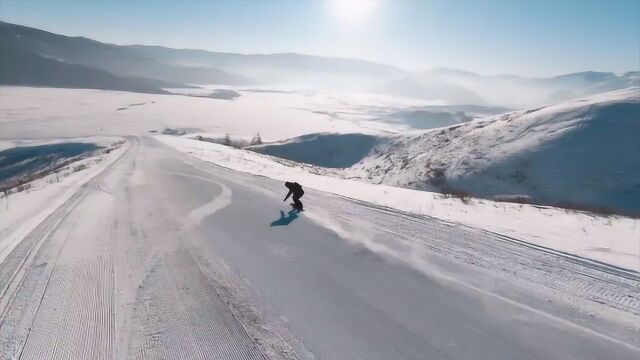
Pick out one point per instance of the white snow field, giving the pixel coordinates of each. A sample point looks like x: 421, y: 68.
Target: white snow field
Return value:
x: 582, y: 153
x: 611, y: 239
x: 47, y: 113
x: 159, y: 254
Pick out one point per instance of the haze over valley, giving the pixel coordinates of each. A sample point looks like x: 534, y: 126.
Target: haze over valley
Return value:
x: 447, y: 213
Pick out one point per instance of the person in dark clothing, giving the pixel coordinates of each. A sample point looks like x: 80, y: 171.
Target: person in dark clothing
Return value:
x: 296, y: 190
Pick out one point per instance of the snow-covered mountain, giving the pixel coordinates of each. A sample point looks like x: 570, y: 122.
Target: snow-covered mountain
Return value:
x: 579, y: 153
x: 145, y: 65
x: 187, y: 65
x: 114, y: 59
x: 521, y: 92
x: 583, y: 152
x: 19, y: 67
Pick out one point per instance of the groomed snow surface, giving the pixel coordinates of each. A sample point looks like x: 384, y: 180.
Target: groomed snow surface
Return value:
x: 160, y: 256
x: 21, y: 212
x: 612, y: 239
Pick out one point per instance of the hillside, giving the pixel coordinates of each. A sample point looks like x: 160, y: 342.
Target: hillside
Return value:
x: 583, y: 153
x: 19, y: 67
x: 186, y: 65
x: 118, y: 60
x: 326, y: 150
x: 256, y: 63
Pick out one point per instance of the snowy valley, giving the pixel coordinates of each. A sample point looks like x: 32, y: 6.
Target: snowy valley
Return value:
x: 448, y: 215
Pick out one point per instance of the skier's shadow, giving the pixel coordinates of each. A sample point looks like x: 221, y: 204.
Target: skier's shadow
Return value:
x: 285, y: 220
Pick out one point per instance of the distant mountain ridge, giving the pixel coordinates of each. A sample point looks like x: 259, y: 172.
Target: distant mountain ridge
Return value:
x: 292, y: 61
x: 179, y: 65
x: 590, y: 75
x: 118, y: 60
x: 18, y: 67
x: 522, y: 92
x: 190, y: 66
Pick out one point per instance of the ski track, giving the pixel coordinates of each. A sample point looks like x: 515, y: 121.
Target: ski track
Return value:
x: 218, y: 203
x: 60, y: 285
x: 176, y: 312
x: 585, y: 290
x: 79, y: 293
x: 597, y: 292
x: 138, y: 287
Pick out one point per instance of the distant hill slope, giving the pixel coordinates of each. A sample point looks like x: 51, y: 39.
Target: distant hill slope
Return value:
x: 326, y: 150
x: 19, y: 67
x: 584, y: 152
x: 521, y: 92
x: 118, y: 60
x: 433, y: 89
x: 185, y: 65
x: 252, y: 62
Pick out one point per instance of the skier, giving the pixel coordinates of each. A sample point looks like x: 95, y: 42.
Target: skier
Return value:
x: 296, y: 190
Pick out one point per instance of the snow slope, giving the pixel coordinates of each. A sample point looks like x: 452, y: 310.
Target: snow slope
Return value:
x: 612, y: 240
x: 582, y: 153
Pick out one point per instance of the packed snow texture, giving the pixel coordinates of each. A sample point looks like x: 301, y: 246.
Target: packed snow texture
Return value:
x: 21, y: 212
x: 612, y: 240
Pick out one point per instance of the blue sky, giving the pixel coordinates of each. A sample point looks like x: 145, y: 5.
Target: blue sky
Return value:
x: 538, y: 38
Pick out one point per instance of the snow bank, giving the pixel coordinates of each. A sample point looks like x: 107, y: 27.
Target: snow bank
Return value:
x: 613, y: 240
x: 23, y: 211
x: 27, y: 162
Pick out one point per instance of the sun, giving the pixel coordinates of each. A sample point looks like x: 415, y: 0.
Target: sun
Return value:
x: 353, y: 11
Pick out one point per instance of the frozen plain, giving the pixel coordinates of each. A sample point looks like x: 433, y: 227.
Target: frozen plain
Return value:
x: 165, y: 256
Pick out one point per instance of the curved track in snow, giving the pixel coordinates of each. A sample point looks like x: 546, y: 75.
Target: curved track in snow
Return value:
x: 164, y: 256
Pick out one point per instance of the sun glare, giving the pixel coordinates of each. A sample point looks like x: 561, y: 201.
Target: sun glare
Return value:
x: 353, y: 11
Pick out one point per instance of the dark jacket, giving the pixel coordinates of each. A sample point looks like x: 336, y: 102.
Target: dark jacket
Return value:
x: 294, y: 188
